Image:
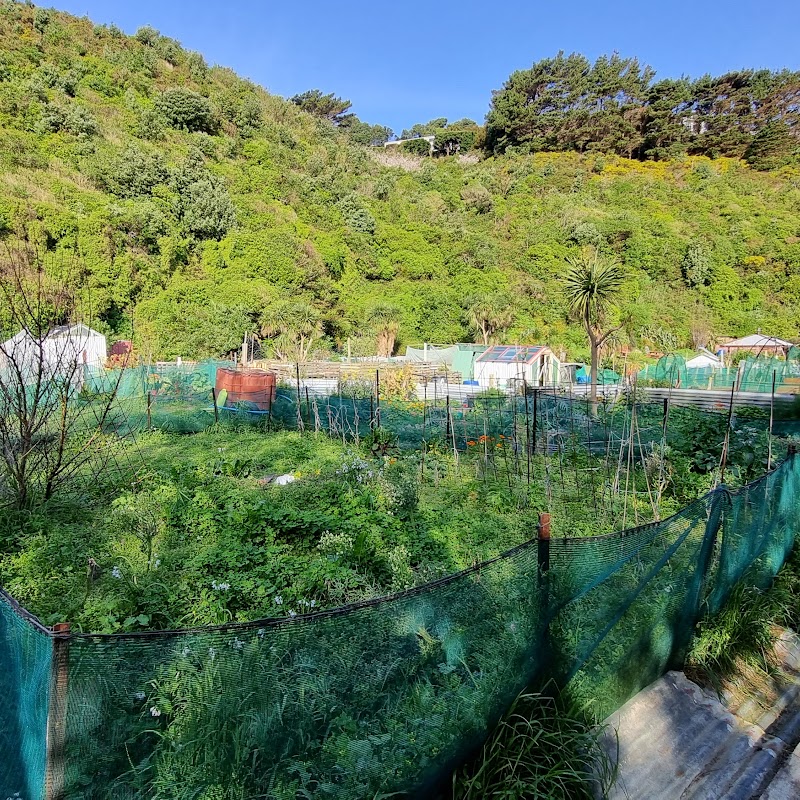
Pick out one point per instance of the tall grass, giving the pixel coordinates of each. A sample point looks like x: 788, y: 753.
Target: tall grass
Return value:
x: 542, y: 748
x: 746, y: 629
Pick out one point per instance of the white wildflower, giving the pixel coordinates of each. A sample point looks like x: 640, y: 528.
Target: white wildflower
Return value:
x: 292, y: 612
x: 116, y: 572
x: 139, y: 696
x: 237, y: 644
x: 212, y: 652
x: 154, y: 712
x: 278, y: 600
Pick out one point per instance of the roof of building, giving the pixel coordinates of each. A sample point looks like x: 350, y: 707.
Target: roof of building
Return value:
x: 69, y: 330
x: 756, y: 340
x: 512, y: 354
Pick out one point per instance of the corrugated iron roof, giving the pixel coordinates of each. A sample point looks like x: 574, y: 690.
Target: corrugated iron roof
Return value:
x: 757, y: 340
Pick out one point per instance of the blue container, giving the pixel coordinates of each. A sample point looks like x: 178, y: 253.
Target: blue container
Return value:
x: 471, y: 383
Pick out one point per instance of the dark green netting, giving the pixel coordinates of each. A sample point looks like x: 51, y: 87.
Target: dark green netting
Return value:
x: 25, y: 667
x: 752, y: 375
x: 387, y: 696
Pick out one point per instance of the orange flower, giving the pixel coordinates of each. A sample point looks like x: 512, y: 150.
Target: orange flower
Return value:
x: 498, y: 445
x: 471, y: 443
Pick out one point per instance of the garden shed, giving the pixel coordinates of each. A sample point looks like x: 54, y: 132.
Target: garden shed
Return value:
x: 499, y: 365
x: 758, y: 345
x: 62, y: 348
x: 704, y: 359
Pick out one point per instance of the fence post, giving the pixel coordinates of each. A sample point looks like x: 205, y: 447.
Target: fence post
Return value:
x: 535, y: 417
x: 377, y: 398
x: 57, y: 713
x: 216, y: 409
x: 149, y: 404
x: 299, y: 405
x: 543, y: 552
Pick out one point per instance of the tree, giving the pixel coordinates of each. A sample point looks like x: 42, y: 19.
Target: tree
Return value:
x: 327, y: 106
x: 697, y: 267
x: 293, y: 328
x: 385, y: 321
x: 772, y: 147
x: 591, y: 287
x: 50, y: 437
x: 490, y: 316
x: 364, y: 133
x: 187, y: 110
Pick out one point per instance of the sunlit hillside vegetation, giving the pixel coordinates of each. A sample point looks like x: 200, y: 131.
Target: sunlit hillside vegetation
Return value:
x: 193, y: 207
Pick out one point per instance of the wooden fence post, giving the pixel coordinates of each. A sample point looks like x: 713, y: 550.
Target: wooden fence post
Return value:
x: 543, y: 536
x: 57, y: 713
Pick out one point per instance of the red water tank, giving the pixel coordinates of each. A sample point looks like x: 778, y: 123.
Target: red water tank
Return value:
x: 256, y: 387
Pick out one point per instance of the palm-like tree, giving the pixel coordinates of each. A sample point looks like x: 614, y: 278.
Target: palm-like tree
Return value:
x: 490, y: 316
x: 385, y: 321
x: 591, y: 287
x: 293, y: 327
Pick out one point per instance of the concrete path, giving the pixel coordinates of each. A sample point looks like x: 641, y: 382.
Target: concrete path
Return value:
x: 678, y: 741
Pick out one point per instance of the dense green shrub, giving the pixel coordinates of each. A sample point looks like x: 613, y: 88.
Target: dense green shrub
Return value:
x: 132, y: 173
x: 182, y: 108
x: 73, y: 119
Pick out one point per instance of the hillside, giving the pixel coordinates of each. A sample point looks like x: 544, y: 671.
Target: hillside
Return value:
x: 193, y: 207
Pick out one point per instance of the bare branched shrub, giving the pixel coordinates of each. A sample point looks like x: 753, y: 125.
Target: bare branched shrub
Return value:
x: 393, y: 158
x: 50, y: 434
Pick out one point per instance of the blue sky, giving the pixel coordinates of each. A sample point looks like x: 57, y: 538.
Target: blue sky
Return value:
x: 408, y: 61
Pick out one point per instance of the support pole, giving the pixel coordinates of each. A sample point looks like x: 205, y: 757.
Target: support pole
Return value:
x: 377, y: 398
x: 299, y: 407
x: 527, y: 429
x: 216, y: 409
x: 57, y: 713
x: 771, y: 421
x: 543, y: 548
x: 149, y: 414
x: 726, y: 443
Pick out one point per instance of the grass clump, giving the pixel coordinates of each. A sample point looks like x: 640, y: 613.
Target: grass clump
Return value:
x: 744, y: 632
x: 543, y: 747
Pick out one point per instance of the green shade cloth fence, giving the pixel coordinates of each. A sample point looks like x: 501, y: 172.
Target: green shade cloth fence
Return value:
x: 752, y: 375
x: 382, y: 696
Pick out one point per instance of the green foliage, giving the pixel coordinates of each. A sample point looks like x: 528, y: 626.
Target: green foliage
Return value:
x: 147, y: 35
x: 132, y: 173
x: 277, y: 200
x: 327, y: 106
x: 772, y: 147
x: 182, y: 108
x: 72, y: 119
x: 417, y: 147
x: 696, y: 266
x: 540, y: 748
x: 614, y: 105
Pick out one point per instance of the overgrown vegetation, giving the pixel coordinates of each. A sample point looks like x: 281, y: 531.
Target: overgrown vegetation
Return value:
x: 542, y: 748
x: 197, y: 200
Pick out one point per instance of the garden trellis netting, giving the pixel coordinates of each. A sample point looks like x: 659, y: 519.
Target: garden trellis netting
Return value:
x: 388, y: 695
x: 179, y: 399
x: 752, y: 374
x: 382, y: 696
